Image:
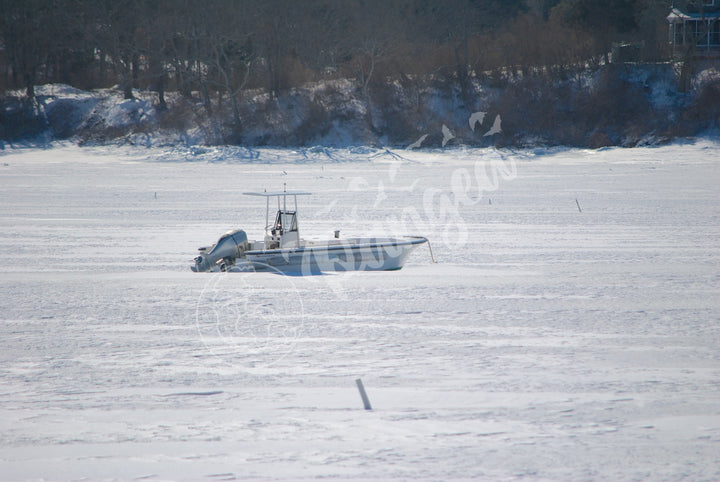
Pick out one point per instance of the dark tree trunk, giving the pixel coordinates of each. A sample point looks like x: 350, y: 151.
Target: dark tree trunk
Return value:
x: 127, y: 89
x: 29, y: 78
x: 161, y: 93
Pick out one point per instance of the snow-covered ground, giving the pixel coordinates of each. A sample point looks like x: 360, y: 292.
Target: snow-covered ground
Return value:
x: 570, y: 329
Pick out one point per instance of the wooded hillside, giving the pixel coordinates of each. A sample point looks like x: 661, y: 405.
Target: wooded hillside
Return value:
x: 216, y: 51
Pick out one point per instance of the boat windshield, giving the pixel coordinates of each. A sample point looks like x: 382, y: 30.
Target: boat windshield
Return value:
x: 285, y: 222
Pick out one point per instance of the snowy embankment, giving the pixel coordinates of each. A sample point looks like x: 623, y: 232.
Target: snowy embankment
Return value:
x: 568, y: 331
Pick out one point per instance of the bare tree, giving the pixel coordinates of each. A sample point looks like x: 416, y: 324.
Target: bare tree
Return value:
x: 115, y: 33
x: 607, y: 20
x: 277, y: 36
x: 231, y: 58
x: 27, y: 29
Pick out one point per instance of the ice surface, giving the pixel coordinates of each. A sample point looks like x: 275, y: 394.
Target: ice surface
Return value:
x: 546, y: 343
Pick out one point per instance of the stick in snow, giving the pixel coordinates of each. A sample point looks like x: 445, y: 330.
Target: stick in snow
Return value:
x: 366, y: 401
x: 431, y: 253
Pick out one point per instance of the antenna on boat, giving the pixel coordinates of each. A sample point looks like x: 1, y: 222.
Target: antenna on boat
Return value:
x: 431, y: 253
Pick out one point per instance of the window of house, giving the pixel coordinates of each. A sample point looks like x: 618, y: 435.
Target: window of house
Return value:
x: 699, y: 33
x: 715, y: 33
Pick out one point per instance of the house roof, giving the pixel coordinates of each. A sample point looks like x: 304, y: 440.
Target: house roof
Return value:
x: 678, y: 16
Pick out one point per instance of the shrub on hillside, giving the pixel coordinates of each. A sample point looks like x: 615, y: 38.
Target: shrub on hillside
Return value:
x: 704, y: 111
x: 20, y: 119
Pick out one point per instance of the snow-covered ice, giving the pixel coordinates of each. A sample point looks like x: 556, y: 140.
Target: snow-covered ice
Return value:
x: 570, y: 329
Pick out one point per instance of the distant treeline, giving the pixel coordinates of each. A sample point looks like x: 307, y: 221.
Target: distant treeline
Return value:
x: 220, y: 48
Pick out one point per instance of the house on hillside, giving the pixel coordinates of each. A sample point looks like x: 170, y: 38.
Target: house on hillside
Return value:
x: 696, y: 25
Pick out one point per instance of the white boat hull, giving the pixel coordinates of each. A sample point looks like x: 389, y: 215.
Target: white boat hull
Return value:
x: 352, y: 254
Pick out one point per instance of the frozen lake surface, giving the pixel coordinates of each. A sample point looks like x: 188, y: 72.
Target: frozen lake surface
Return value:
x: 570, y: 329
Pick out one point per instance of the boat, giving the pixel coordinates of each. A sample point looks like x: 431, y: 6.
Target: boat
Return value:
x: 284, y: 250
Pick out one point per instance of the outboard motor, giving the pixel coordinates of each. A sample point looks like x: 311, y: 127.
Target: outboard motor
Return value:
x: 230, y: 246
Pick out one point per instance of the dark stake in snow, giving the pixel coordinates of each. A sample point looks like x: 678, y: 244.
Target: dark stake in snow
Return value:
x: 363, y: 395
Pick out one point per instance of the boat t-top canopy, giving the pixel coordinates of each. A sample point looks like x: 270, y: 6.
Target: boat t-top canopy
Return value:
x: 282, y: 209
x: 278, y: 193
